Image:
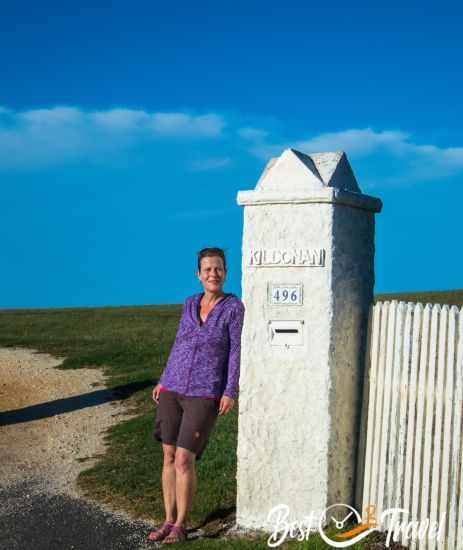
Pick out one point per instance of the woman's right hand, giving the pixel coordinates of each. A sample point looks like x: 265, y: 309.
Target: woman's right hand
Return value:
x: 156, y: 392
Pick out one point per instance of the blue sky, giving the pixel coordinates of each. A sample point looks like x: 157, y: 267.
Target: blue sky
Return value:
x: 126, y: 130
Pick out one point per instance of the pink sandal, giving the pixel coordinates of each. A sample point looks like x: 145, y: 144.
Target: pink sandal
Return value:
x: 162, y: 532
x: 177, y: 534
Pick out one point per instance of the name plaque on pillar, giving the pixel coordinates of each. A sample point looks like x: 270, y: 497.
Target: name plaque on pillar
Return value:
x: 286, y: 257
x: 285, y: 295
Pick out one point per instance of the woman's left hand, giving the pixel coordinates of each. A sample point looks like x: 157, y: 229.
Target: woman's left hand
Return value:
x: 226, y: 405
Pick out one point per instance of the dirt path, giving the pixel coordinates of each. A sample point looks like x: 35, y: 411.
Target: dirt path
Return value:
x: 49, y: 419
x: 49, y: 432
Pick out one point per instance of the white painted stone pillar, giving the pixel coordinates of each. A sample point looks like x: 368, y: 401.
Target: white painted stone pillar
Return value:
x: 307, y: 282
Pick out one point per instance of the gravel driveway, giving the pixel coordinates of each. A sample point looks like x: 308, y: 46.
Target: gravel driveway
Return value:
x: 50, y: 418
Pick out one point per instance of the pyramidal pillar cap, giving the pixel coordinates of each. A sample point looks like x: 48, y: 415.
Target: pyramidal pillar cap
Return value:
x: 296, y: 177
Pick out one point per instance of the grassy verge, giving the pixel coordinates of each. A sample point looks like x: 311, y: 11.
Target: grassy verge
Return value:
x: 132, y: 344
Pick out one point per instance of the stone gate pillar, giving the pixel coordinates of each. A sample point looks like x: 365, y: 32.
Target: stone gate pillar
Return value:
x: 307, y: 282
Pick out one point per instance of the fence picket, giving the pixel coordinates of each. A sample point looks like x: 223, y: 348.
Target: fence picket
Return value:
x: 372, y: 373
x: 438, y: 419
x: 385, y: 424
x: 429, y: 417
x: 456, y: 441
x: 411, y: 413
x: 420, y: 406
x: 447, y: 429
x: 457, y: 463
x: 374, y: 490
x: 396, y: 372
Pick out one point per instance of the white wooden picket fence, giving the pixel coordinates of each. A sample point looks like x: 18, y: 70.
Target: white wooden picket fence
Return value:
x: 413, y: 404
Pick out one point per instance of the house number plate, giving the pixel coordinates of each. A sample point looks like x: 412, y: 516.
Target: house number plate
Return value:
x: 285, y: 295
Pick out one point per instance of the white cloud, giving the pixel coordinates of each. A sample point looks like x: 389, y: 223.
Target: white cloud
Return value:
x: 120, y: 119
x: 41, y: 137
x: 165, y: 124
x: 255, y: 134
x: 206, y: 164
x: 453, y: 155
x: 355, y: 141
x: 210, y: 125
x: 50, y: 117
x: 444, y: 156
x: 415, y: 160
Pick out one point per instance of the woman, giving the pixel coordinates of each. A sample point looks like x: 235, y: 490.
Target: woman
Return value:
x: 199, y: 383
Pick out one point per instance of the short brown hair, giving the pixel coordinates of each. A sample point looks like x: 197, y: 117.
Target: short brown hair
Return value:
x: 207, y: 252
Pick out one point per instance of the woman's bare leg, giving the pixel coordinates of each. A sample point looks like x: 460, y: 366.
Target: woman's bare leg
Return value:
x: 169, y: 482
x: 186, y: 482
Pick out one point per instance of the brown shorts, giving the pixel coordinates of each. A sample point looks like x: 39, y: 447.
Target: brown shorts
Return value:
x: 185, y: 421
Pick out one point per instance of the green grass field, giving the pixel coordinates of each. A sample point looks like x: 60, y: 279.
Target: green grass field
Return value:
x: 132, y: 344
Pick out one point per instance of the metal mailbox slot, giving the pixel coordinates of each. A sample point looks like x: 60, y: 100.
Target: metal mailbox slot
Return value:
x: 286, y: 333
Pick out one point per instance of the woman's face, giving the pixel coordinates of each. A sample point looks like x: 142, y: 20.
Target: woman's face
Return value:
x: 212, y: 274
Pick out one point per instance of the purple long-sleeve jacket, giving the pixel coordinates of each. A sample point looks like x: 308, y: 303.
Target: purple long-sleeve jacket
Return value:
x: 205, y: 358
